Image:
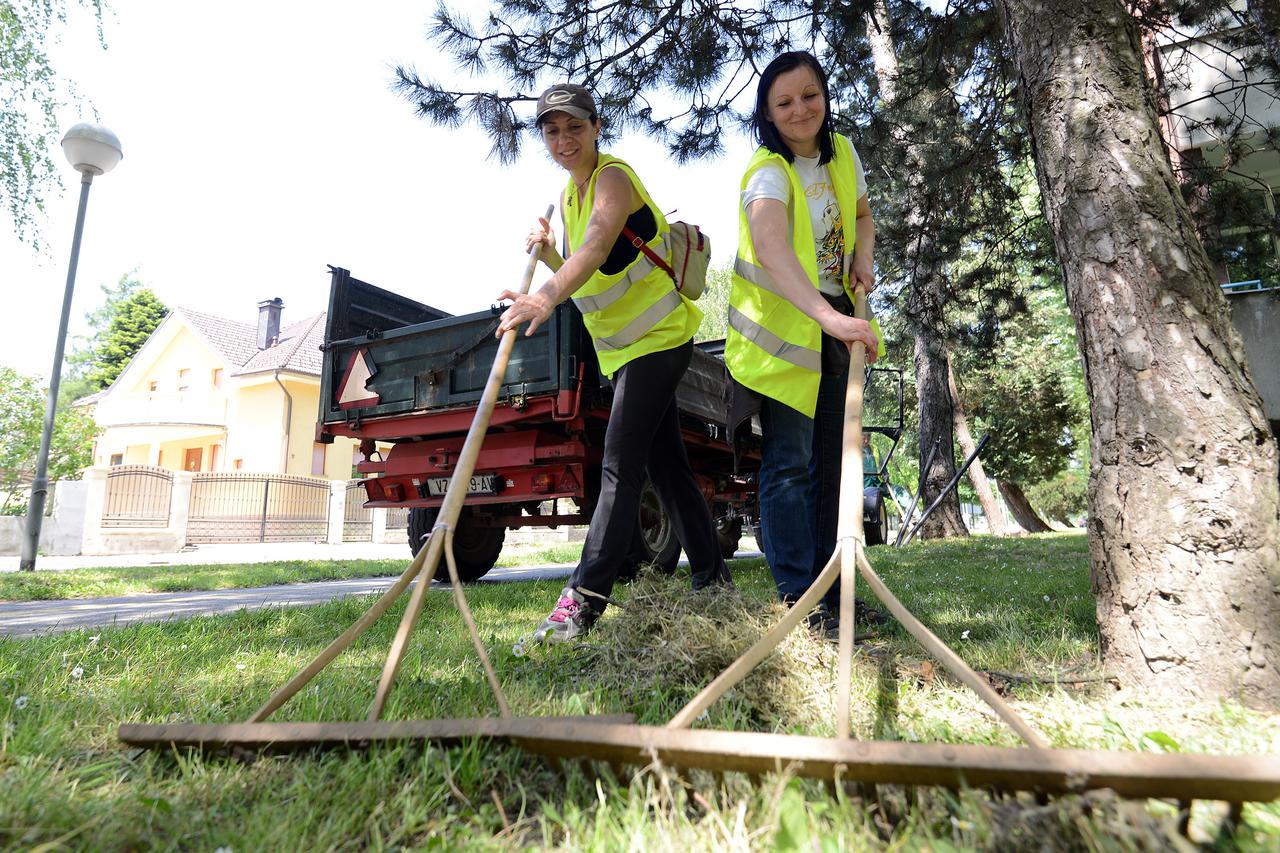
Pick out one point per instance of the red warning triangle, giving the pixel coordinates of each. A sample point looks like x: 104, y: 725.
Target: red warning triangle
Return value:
x: 352, y: 393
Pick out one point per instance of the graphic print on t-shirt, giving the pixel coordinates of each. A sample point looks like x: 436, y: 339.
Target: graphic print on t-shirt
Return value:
x: 829, y: 242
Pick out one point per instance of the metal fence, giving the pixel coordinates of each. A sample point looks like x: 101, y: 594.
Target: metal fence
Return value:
x: 398, y: 518
x: 234, y: 507
x: 137, y: 496
x: 357, y: 521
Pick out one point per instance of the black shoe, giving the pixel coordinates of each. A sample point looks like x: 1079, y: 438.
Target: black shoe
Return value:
x: 718, y: 578
x: 826, y: 625
x: 864, y: 615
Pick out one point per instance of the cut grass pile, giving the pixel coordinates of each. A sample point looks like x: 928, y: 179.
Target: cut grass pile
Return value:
x: 98, y: 583
x: 66, y: 782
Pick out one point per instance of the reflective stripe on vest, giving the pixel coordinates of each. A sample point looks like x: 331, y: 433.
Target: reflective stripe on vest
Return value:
x: 773, y: 348
x: 647, y: 319
x: 636, y: 311
x: 638, y: 270
x: 756, y: 275
x: 802, y: 357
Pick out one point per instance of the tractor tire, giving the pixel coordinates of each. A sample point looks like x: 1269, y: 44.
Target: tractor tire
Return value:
x: 655, y: 538
x: 475, y: 548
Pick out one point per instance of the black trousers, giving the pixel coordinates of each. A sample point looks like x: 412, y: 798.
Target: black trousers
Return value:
x: 644, y: 434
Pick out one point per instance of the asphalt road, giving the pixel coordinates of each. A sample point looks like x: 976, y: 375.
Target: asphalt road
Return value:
x: 29, y: 618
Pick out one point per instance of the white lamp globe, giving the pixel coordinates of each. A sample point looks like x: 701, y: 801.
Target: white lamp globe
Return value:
x: 92, y: 149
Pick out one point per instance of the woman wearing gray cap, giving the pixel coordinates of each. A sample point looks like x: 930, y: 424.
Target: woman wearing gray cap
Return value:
x: 643, y: 330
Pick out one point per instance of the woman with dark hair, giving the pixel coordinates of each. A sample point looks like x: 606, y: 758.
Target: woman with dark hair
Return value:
x: 643, y: 332
x: 805, y: 239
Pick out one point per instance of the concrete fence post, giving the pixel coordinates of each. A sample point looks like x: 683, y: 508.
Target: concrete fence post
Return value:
x: 95, y: 502
x: 379, y: 519
x: 180, y: 507
x: 337, y: 510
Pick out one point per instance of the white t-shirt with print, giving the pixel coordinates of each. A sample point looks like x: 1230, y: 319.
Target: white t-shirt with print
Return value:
x: 770, y: 181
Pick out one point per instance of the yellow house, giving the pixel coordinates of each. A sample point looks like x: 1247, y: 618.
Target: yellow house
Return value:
x: 210, y: 394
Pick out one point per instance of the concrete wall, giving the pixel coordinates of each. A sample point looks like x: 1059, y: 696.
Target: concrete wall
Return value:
x: 61, y: 532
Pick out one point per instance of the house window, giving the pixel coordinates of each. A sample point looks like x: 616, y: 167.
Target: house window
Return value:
x: 184, y: 379
x: 117, y: 458
x: 217, y: 377
x: 153, y: 385
x: 317, y: 459
x: 237, y: 464
x: 215, y: 453
x: 191, y: 458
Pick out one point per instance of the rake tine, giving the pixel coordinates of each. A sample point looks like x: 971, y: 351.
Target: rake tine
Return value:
x: 455, y: 495
x: 460, y: 599
x: 1184, y: 818
x: 849, y: 523
x: 947, y: 657
x: 742, y: 667
x: 311, y: 670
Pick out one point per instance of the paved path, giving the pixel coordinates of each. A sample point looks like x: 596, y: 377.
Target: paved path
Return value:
x: 29, y: 618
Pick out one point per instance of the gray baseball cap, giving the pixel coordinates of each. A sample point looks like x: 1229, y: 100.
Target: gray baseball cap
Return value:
x: 565, y: 98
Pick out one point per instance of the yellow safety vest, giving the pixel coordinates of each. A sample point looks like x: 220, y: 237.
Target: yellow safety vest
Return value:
x: 638, y: 310
x: 771, y: 346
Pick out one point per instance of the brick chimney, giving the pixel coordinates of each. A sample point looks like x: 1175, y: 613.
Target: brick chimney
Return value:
x: 269, y: 322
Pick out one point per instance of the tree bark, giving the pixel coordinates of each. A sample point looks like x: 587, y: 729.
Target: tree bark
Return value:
x: 1025, y: 514
x: 1266, y: 19
x: 1184, y: 507
x: 977, y: 476
x: 924, y: 311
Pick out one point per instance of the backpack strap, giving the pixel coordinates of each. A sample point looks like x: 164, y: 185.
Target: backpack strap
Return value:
x: 649, y: 253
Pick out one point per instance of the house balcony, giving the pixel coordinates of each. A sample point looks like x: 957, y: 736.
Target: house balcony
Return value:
x: 155, y: 408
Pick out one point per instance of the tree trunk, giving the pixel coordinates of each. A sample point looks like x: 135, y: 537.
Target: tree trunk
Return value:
x: 1183, y: 497
x: 924, y: 311
x: 977, y: 476
x: 1023, y: 512
x: 1266, y: 19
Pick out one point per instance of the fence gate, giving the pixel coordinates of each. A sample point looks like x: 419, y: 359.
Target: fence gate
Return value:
x: 137, y: 496
x: 357, y: 521
x: 234, y: 507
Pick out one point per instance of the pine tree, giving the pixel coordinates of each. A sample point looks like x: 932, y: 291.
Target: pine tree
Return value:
x: 118, y: 329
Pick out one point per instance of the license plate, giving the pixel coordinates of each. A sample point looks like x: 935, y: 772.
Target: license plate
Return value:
x: 480, y: 484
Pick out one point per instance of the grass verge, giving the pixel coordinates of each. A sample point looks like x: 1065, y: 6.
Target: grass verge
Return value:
x: 98, y: 583
x: 66, y: 782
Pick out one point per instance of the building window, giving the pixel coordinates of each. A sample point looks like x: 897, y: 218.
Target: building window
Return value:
x: 215, y: 454
x: 184, y: 379
x: 217, y: 377
x: 153, y: 385
x: 117, y: 458
x: 237, y: 464
x: 317, y: 459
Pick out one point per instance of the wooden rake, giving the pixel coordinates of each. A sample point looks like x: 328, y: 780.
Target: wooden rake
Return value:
x: 618, y: 741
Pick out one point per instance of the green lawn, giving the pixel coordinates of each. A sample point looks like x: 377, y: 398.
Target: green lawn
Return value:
x: 96, y: 583
x: 1018, y: 606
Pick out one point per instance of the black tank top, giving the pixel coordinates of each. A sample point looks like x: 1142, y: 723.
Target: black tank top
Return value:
x: 644, y: 226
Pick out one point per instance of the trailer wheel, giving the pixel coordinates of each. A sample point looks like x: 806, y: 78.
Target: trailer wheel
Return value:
x: 728, y: 532
x: 475, y: 548
x: 656, y: 540
x: 875, y: 517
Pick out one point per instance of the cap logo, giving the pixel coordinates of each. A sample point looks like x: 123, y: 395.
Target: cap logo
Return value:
x: 559, y: 96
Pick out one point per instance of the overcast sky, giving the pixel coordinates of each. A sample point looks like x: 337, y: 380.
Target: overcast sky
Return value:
x: 262, y: 142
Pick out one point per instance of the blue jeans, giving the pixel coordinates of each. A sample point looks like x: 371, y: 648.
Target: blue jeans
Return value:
x: 800, y: 489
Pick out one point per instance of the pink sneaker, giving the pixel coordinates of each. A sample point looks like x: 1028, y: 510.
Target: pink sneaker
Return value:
x: 570, y: 618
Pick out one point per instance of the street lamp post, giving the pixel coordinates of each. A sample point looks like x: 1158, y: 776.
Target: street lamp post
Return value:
x: 92, y: 150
